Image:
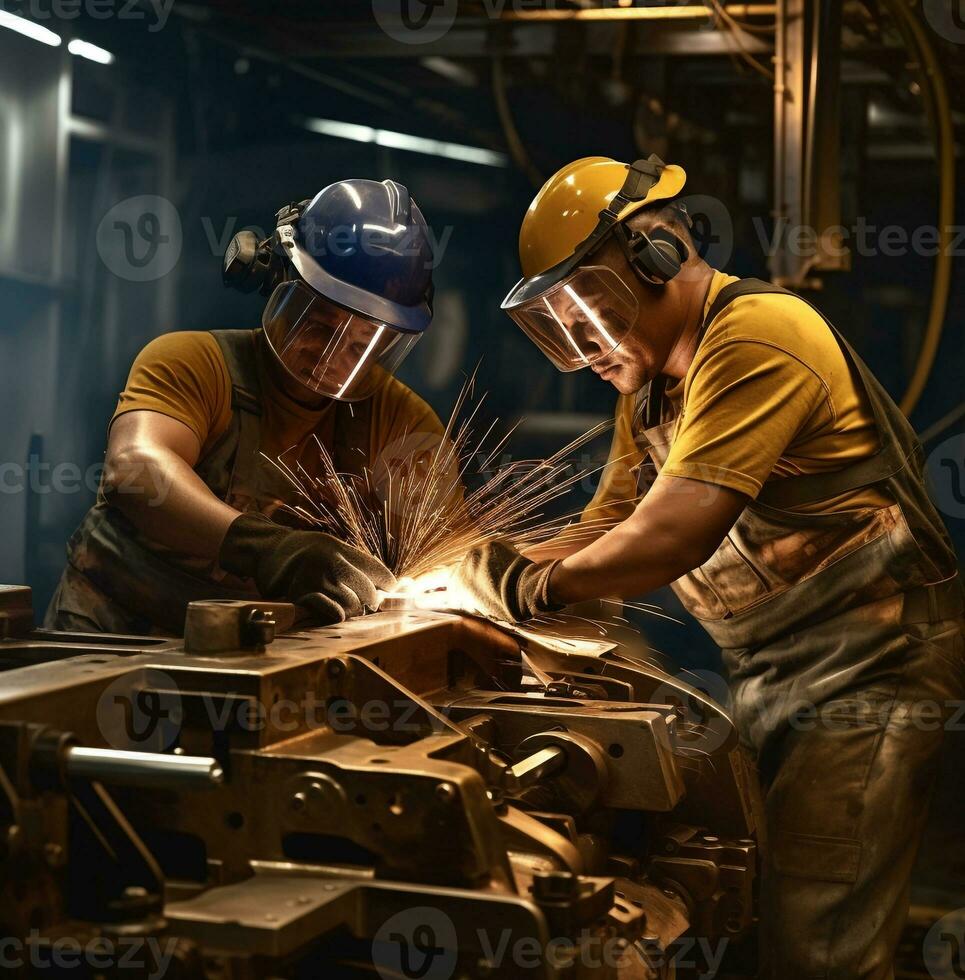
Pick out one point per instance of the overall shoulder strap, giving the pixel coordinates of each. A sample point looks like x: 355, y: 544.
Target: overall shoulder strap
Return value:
x: 352, y: 445
x: 743, y: 287
x: 238, y: 347
x: 797, y: 491
x: 240, y: 356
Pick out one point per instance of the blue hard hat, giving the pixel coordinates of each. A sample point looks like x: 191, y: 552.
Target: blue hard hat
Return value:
x: 364, y: 245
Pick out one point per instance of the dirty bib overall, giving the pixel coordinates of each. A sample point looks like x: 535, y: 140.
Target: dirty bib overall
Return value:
x: 119, y: 581
x: 841, y: 634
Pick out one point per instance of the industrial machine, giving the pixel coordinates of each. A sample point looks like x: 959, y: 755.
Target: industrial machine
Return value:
x: 410, y: 794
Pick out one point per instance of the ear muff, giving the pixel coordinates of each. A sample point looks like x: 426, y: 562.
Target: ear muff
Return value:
x: 251, y: 265
x: 247, y: 263
x: 656, y: 257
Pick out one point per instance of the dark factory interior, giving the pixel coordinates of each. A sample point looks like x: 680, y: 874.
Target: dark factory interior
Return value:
x: 822, y: 146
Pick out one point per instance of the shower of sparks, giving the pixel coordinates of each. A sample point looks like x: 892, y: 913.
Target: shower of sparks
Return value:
x: 417, y: 518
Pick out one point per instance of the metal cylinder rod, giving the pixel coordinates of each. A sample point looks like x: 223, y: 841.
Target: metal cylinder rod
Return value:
x: 149, y: 769
x: 529, y: 771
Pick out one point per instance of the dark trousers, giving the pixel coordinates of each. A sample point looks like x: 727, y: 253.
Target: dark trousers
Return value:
x: 847, y: 780
x: 79, y: 606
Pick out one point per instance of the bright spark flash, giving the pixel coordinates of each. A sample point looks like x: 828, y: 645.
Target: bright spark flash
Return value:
x: 414, y: 515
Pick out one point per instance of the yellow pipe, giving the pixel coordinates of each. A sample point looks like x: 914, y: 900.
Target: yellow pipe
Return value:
x: 945, y: 156
x: 694, y: 12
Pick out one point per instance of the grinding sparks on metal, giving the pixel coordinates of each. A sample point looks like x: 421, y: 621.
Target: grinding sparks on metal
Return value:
x: 418, y: 516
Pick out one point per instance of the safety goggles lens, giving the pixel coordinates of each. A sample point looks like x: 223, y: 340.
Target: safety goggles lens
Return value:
x: 331, y: 350
x: 581, y: 320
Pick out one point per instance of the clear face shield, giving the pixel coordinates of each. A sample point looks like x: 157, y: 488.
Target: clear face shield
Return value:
x: 329, y: 349
x: 578, y: 321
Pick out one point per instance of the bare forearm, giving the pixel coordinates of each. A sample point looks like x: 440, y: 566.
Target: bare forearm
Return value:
x: 674, y: 529
x: 570, y: 541
x: 624, y: 562
x: 165, y: 499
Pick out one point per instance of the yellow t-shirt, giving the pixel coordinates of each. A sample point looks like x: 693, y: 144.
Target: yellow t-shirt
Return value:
x: 769, y: 394
x: 184, y: 376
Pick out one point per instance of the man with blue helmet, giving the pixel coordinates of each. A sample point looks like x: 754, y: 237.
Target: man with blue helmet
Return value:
x: 193, y: 504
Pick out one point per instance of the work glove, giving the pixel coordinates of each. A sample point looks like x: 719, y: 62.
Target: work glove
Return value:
x: 333, y: 580
x: 499, y: 582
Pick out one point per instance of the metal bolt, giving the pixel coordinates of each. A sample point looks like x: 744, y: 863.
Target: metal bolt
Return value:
x: 54, y: 855
x: 298, y: 801
x: 446, y: 792
x: 497, y: 799
x: 258, y: 628
x: 650, y: 950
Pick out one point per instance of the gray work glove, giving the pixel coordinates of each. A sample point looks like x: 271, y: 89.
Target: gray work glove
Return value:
x: 333, y: 580
x: 503, y: 584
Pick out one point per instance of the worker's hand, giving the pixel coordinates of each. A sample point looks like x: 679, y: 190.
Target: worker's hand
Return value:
x: 499, y: 582
x: 333, y: 580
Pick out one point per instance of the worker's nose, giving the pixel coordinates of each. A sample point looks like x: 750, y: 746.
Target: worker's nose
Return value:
x: 592, y: 350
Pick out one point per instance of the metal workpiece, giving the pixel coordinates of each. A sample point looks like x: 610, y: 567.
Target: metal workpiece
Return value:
x: 628, y: 677
x: 712, y: 875
x: 413, y: 773
x: 16, y: 610
x: 234, y: 627
x: 625, y: 750
x: 274, y: 915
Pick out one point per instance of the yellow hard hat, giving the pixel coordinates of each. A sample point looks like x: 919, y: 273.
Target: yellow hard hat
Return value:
x: 571, y: 204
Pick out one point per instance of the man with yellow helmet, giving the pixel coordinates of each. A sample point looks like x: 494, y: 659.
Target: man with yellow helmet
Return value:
x: 760, y: 468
